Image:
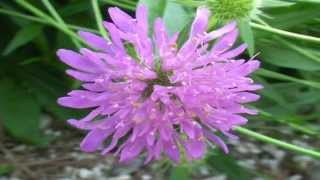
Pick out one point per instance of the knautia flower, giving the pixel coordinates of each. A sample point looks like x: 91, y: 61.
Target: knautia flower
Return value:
x: 226, y: 10
x: 156, y: 98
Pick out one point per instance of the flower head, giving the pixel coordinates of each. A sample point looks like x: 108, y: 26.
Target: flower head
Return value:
x: 161, y: 99
x: 226, y: 10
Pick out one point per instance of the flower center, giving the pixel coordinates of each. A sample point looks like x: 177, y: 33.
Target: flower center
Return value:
x: 162, y: 80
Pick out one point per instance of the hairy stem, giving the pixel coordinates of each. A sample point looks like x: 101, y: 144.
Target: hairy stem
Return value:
x: 285, y: 33
x: 277, y: 142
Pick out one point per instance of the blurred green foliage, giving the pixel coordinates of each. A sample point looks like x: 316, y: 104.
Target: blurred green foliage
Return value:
x: 284, y: 34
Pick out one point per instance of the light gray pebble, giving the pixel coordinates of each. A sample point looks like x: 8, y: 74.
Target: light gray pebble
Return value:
x: 242, y: 149
x: 146, y: 177
x: 295, y: 177
x: 19, y: 148
x: 219, y: 177
x: 85, y: 173
x: 204, y: 170
x: 121, y: 177
x: 273, y: 164
x: 302, y: 161
x: 45, y: 121
x: 248, y: 163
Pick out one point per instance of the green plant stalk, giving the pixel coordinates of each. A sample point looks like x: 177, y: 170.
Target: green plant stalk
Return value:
x: 129, y: 2
x: 57, y: 17
x: 23, y: 16
x: 277, y: 142
x: 41, y: 21
x: 304, y: 1
x: 190, y: 3
x: 119, y: 4
x: 299, y: 50
x: 81, y: 28
x: 275, y: 75
x: 51, y: 21
x: 98, y: 18
x: 285, y: 33
x: 296, y: 127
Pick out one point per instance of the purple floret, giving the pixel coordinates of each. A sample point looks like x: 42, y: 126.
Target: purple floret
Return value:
x: 160, y: 99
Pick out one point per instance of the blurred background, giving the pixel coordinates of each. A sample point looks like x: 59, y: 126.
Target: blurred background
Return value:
x: 36, y: 142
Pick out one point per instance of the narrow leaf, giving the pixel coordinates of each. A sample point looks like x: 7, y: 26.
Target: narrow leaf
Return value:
x: 22, y: 37
x: 246, y: 34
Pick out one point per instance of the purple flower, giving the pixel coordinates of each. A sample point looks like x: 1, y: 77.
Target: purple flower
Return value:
x: 155, y: 97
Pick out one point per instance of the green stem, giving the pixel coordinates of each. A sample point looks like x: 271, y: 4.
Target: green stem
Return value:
x: 53, y: 12
x: 23, y: 16
x: 285, y: 33
x: 47, y: 18
x: 189, y: 3
x: 305, y: 1
x: 98, y: 17
x: 57, y: 17
x: 298, y: 49
x: 279, y: 143
x: 119, y: 4
x: 41, y: 21
x: 296, y: 127
x: 75, y: 27
x: 275, y: 75
x: 130, y: 2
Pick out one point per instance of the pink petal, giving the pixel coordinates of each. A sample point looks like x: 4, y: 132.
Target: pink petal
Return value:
x: 94, y: 139
x: 95, y: 41
x: 217, y: 33
x: 200, y: 22
x: 81, y: 76
x: 122, y: 20
x: 76, y: 61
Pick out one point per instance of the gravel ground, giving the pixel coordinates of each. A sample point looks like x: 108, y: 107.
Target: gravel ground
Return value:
x: 63, y: 161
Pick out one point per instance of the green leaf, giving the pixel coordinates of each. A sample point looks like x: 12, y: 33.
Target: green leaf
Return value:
x: 280, y: 54
x: 47, y: 84
x: 190, y: 3
x: 20, y: 113
x: 270, y: 92
x: 178, y: 23
x: 156, y: 8
x: 184, y: 34
x: 181, y: 172
x: 304, y: 1
x: 228, y: 165
x: 22, y: 37
x: 292, y: 16
x: 289, y: 119
x: 132, y: 51
x: 176, y: 17
x: 246, y: 34
x: 274, y: 3
x: 6, y: 169
x: 279, y: 76
x: 70, y: 9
